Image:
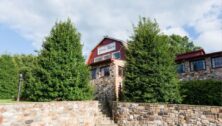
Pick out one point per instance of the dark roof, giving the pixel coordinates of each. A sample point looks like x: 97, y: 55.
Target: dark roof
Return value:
x: 196, y: 55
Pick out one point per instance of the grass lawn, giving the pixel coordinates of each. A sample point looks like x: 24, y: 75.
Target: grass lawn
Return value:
x: 7, y: 101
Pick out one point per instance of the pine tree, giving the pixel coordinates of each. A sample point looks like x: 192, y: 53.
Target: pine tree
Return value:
x: 150, y: 74
x: 8, y: 77
x: 61, y: 73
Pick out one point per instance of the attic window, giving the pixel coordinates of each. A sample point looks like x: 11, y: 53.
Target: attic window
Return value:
x: 106, y: 48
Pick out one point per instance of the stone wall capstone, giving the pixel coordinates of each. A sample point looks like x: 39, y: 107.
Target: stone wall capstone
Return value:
x: 143, y: 114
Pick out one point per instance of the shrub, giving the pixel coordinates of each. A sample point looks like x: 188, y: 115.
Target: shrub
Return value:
x: 201, y: 92
x: 8, y: 77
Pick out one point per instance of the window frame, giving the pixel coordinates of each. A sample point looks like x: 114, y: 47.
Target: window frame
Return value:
x: 195, y: 61
x: 102, y: 74
x: 92, y: 78
x: 98, y: 58
x: 212, y: 62
x: 184, y: 68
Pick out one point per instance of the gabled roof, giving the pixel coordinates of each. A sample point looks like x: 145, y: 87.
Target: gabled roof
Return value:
x: 105, y: 37
x: 189, y: 55
x: 196, y: 55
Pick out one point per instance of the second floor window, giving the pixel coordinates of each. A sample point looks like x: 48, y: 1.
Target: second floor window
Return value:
x: 198, y: 65
x: 181, y: 68
x: 217, y: 62
x: 116, y: 55
x: 104, y: 71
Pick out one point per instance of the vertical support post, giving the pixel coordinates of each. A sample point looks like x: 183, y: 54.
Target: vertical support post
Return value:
x: 19, y: 87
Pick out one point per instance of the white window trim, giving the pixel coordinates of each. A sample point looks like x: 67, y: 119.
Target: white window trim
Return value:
x: 104, y: 49
x: 98, y: 58
x: 213, y: 62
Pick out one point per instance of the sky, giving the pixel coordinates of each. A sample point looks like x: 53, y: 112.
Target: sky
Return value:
x: 25, y: 23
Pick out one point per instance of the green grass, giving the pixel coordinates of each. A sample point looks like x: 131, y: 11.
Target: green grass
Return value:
x: 7, y: 101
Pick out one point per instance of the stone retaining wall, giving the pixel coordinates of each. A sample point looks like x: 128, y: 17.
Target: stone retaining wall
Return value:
x: 143, y: 114
x: 78, y: 113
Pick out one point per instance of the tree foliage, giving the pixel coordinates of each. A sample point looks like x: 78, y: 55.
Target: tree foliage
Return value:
x: 201, y: 92
x: 181, y: 44
x: 60, y: 73
x: 150, y: 74
x: 8, y: 77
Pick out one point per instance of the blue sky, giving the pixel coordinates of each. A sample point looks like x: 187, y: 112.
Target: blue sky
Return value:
x: 25, y: 23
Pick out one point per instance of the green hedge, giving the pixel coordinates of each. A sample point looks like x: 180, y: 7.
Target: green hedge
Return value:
x: 201, y: 92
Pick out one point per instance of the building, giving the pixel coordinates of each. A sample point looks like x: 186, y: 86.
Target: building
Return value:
x: 198, y: 65
x: 106, y: 61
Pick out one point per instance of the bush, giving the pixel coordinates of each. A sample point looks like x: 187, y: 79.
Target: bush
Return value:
x: 8, y: 77
x: 202, y: 92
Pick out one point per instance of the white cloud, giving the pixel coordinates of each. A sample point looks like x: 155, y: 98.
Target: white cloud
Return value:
x: 175, y: 30
x: 34, y: 19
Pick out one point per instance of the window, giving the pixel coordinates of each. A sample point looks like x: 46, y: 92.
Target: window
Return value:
x: 104, y: 71
x: 97, y: 59
x: 198, y: 65
x: 216, y: 62
x: 120, y: 71
x: 116, y: 55
x: 108, y: 56
x: 181, y: 68
x: 93, y: 73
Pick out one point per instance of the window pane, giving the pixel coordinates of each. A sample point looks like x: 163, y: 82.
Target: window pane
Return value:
x: 97, y: 59
x: 181, y: 68
x: 198, y: 65
x: 217, y: 62
x: 105, y: 71
x: 116, y: 55
x: 108, y: 56
x: 93, y: 73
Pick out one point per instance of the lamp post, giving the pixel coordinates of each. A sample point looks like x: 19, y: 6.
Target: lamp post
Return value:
x: 19, y: 86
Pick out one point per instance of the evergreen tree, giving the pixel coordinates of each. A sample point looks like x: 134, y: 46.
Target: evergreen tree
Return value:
x: 61, y: 73
x: 150, y: 74
x: 8, y: 77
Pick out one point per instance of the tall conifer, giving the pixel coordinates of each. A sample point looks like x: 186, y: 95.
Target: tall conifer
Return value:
x: 61, y: 73
x: 150, y: 74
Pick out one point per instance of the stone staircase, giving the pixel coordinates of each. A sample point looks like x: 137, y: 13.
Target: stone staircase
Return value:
x: 104, y: 117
